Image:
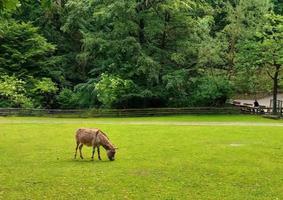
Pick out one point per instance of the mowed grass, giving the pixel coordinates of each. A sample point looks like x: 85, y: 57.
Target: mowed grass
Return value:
x: 153, y: 161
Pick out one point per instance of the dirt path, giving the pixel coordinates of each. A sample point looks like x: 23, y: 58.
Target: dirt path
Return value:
x: 168, y: 123
x: 262, y: 101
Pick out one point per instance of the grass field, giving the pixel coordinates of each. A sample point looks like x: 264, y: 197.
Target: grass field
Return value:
x: 200, y: 158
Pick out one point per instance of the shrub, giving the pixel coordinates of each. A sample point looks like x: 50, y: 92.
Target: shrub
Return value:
x: 112, y: 88
x: 13, y: 92
x: 44, y: 91
x: 67, y: 98
x: 212, y: 91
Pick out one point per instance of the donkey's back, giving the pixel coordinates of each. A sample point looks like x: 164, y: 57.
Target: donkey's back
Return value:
x: 86, y: 136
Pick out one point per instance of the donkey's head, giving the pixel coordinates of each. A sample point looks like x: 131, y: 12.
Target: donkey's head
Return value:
x: 111, y: 153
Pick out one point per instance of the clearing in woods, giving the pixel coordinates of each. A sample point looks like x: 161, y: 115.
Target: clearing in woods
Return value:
x: 176, y: 157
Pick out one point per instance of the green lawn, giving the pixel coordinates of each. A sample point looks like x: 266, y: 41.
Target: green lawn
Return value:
x: 161, y: 161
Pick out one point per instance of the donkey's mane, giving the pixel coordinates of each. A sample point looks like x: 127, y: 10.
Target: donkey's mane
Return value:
x: 105, y: 141
x: 104, y: 134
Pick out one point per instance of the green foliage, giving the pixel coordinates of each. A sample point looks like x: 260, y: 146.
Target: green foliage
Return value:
x: 251, y: 80
x: 177, y: 84
x: 212, y: 91
x: 45, y: 85
x: 272, y: 43
x: 278, y: 7
x: 112, y: 88
x: 9, y: 5
x: 22, y: 50
x: 67, y: 98
x: 87, y: 96
x: 13, y: 92
x: 261, y: 53
x: 143, y: 53
x: 148, y: 41
x: 43, y: 92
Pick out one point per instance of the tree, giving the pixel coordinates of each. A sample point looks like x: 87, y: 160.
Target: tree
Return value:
x: 272, y: 46
x: 159, y: 53
x: 142, y: 41
x: 243, y: 17
x: 264, y: 50
x: 22, y: 50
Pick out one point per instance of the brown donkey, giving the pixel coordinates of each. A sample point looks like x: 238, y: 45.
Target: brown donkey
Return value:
x: 94, y: 137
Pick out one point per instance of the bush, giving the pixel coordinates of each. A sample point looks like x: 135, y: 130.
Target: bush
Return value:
x: 212, y: 91
x: 177, y: 85
x: 13, y: 93
x: 86, y: 94
x: 43, y: 92
x: 67, y: 98
x: 112, y: 88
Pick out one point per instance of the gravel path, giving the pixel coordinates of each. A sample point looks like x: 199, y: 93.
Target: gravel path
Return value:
x: 168, y: 123
x: 263, y: 101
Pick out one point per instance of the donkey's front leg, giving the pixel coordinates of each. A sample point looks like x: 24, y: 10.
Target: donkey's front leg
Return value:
x: 98, y: 152
x: 76, y: 150
x: 93, y: 151
x: 80, y: 148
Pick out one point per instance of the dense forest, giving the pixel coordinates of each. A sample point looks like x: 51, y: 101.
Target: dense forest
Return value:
x: 137, y: 53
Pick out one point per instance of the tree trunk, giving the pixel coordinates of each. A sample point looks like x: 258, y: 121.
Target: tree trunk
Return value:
x: 275, y: 90
x: 166, y: 21
x: 143, y: 5
x: 231, y: 56
x: 140, y: 8
x: 141, y: 31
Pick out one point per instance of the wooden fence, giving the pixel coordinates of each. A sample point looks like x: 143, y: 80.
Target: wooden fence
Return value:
x: 118, y: 112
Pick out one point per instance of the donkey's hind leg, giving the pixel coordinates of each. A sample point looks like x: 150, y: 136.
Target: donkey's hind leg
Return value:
x: 76, y: 149
x: 80, y: 148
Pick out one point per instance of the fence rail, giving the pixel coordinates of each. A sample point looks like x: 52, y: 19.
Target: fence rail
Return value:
x: 118, y: 112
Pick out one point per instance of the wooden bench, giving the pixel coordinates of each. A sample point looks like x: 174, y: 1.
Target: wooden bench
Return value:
x: 236, y: 103
x: 249, y: 108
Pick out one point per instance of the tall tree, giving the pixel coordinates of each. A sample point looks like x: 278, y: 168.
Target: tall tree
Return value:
x: 23, y: 51
x: 272, y: 46
x: 145, y: 41
x: 264, y: 49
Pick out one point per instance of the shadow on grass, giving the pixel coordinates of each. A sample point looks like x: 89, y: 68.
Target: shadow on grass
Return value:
x: 86, y: 161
